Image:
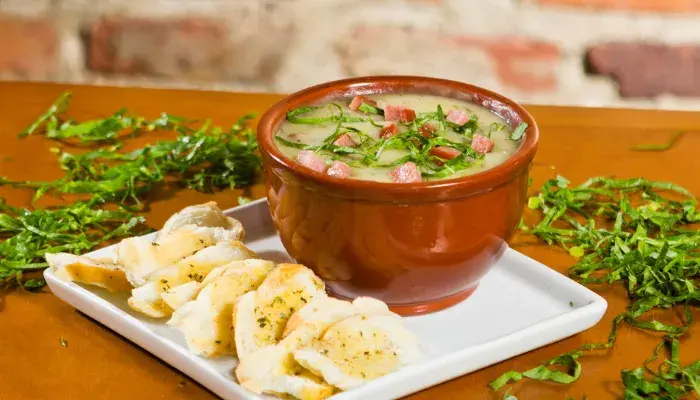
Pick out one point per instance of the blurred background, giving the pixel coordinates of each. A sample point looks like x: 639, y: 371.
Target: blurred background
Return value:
x: 633, y: 53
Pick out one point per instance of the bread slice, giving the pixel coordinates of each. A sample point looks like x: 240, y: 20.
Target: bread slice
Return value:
x: 273, y: 369
x: 206, y: 215
x: 140, y: 256
x: 179, y: 295
x: 69, y: 267
x: 276, y: 372
x: 207, y: 322
x: 148, y: 299
x: 322, y: 312
x: 261, y: 315
x: 358, y: 349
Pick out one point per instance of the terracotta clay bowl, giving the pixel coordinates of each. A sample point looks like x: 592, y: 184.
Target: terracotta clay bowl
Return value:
x: 420, y: 247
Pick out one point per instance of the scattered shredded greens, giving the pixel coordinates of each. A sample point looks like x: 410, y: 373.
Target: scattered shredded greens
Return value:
x: 413, y: 139
x: 99, y: 130
x: 640, y: 233
x: 111, y: 185
x: 29, y: 234
x: 659, y: 147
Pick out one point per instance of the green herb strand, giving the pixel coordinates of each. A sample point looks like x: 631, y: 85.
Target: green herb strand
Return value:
x: 519, y: 131
x: 111, y: 185
x: 661, y: 146
x: 637, y: 232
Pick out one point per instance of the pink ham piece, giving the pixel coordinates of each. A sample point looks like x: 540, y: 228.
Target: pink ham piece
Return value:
x: 482, y: 144
x: 339, y: 169
x: 447, y: 153
x: 458, y: 117
x: 388, y: 131
x: 407, y: 173
x: 345, y: 141
x: 311, y: 160
x: 357, y: 101
x: 398, y: 113
x: 427, y: 130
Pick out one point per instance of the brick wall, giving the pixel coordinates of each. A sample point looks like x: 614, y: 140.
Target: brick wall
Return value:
x: 638, y: 53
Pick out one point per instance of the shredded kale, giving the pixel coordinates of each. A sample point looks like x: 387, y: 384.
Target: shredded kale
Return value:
x: 370, y: 109
x: 469, y: 128
x: 294, y: 116
x: 495, y: 127
x: 519, y: 131
x: 111, y: 185
x: 641, y: 234
x: 99, y: 130
x: 659, y: 147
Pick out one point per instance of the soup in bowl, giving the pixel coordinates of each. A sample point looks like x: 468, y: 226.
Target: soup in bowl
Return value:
x: 401, y: 188
x: 400, y: 138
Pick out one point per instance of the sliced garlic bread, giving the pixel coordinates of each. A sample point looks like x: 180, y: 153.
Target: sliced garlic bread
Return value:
x: 207, y: 215
x: 139, y: 256
x: 320, y: 313
x: 261, y: 315
x: 273, y: 369
x: 69, y: 267
x: 148, y: 298
x: 207, y: 322
x: 358, y: 349
x: 179, y: 295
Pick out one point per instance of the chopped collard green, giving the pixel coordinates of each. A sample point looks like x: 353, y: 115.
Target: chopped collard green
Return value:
x: 659, y: 146
x: 641, y: 234
x: 111, y: 184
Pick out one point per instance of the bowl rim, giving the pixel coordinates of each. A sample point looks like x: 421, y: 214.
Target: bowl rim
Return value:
x: 488, y: 179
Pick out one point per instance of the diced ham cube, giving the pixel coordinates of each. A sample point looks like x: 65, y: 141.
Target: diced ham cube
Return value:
x: 447, y: 153
x: 357, y: 101
x: 339, y: 169
x: 427, y: 130
x: 458, y: 117
x: 345, y: 141
x: 398, y: 113
x: 407, y: 173
x: 388, y: 131
x: 482, y: 144
x: 311, y: 160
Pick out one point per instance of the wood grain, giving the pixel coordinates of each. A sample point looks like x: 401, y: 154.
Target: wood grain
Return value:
x: 97, y: 363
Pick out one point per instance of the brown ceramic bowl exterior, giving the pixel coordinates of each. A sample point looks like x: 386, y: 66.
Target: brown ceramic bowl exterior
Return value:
x: 419, y: 247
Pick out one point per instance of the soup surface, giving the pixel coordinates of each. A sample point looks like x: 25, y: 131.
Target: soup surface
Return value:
x: 401, y: 138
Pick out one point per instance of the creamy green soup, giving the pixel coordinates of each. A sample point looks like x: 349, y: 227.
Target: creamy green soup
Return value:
x: 401, y: 138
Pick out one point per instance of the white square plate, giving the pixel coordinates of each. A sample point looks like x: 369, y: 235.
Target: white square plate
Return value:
x: 520, y: 305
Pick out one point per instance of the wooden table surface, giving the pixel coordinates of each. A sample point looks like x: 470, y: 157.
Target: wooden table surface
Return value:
x: 99, y: 364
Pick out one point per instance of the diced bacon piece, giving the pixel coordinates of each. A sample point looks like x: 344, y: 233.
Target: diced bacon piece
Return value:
x: 398, y: 113
x: 339, y: 169
x: 311, y: 160
x: 407, y: 173
x: 388, y: 131
x: 345, y: 141
x: 427, y: 130
x: 458, y: 117
x: 482, y: 144
x: 358, y: 100
x: 445, y: 152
